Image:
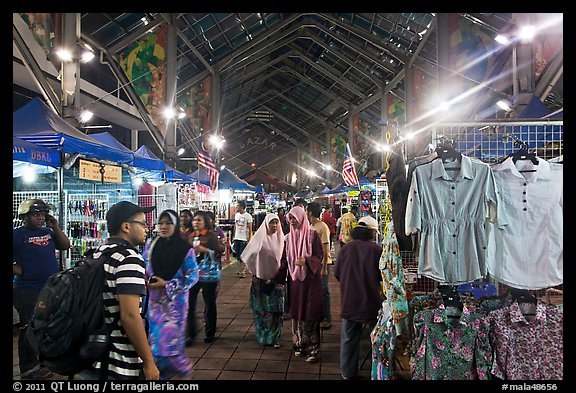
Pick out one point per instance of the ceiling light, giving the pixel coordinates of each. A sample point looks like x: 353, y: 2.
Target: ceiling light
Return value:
x: 169, y: 113
x: 222, y: 167
x: 502, y: 104
x: 145, y: 20
x: 502, y: 39
x: 64, y: 54
x: 87, y: 56
x: 85, y: 116
x: 181, y: 151
x: 527, y: 33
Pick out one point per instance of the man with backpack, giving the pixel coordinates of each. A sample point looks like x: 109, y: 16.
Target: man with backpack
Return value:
x: 34, y: 247
x: 130, y: 354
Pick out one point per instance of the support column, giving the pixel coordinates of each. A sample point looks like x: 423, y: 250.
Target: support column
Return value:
x: 383, y: 126
x: 298, y: 170
x: 70, y: 71
x: 409, y: 102
x: 215, y: 108
x: 133, y: 140
x: 170, y: 137
x: 351, y: 134
x: 524, y: 78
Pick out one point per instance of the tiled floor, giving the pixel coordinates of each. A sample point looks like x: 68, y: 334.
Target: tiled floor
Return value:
x: 235, y: 354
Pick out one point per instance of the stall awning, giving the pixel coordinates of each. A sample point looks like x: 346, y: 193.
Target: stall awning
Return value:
x: 29, y: 152
x: 35, y: 122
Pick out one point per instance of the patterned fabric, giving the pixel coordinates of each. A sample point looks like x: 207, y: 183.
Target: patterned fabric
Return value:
x: 306, y: 336
x: 527, y: 348
x: 393, y: 281
x: 170, y: 367
x: 268, y: 307
x: 451, y: 348
x: 168, y: 308
x: 383, y: 338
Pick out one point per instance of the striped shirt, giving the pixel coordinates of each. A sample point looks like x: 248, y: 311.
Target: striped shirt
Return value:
x: 124, y: 276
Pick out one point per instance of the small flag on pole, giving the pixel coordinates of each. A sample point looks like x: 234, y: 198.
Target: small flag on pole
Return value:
x: 205, y: 160
x: 348, y: 171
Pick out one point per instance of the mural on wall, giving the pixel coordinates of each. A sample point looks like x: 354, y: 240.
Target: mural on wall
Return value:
x: 144, y: 65
x: 470, y: 48
x: 43, y: 28
x: 364, y: 133
x: 396, y: 109
x: 337, y: 149
x: 545, y: 49
x: 197, y: 103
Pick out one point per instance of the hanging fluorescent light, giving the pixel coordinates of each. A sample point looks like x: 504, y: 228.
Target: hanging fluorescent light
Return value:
x: 502, y: 104
x: 85, y: 116
x: 29, y: 175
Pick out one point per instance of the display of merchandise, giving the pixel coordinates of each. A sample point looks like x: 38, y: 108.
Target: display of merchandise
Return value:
x: 531, y: 198
x: 448, y: 204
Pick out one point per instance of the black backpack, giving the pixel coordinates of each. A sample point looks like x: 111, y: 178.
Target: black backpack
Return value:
x: 67, y: 329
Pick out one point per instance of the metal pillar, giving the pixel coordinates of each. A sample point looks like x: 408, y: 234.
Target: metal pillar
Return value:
x: 70, y: 71
x: 383, y: 125
x: 171, y: 71
x: 524, y: 78
x: 298, y: 170
x: 133, y: 140
x: 351, y: 134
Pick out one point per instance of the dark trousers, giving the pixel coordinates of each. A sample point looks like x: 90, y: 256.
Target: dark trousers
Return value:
x: 210, y: 312
x: 350, y: 335
x: 326, y: 296
x: 24, y: 301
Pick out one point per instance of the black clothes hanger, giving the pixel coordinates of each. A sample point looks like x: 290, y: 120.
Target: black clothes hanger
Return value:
x: 522, y: 296
x: 450, y: 296
x: 446, y: 152
x: 523, y: 154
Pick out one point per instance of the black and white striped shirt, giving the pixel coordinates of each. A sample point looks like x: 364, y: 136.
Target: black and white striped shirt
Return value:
x: 124, y: 276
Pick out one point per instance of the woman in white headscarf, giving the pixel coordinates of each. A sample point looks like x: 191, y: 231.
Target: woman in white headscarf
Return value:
x: 263, y: 257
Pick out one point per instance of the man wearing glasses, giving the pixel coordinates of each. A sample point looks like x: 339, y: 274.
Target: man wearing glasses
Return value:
x: 130, y: 354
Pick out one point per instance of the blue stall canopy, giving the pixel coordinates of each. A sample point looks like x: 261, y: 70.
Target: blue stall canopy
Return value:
x: 29, y: 152
x: 37, y: 123
x: 172, y: 175
x: 144, y: 158
x: 226, y: 180
x: 107, y: 139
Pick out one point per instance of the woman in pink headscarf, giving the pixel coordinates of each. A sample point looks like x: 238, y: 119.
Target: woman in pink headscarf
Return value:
x: 304, y: 257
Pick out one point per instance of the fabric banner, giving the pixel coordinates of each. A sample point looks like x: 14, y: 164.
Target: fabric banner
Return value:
x: 144, y: 64
x: 197, y: 103
x: 396, y: 109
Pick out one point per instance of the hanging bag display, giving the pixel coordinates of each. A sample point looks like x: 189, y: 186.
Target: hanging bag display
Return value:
x: 209, y: 268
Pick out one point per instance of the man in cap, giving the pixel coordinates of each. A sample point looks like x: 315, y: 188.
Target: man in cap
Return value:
x: 34, y: 260
x: 359, y: 275
x: 130, y: 355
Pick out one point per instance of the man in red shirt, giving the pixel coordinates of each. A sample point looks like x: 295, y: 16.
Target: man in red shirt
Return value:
x: 329, y: 220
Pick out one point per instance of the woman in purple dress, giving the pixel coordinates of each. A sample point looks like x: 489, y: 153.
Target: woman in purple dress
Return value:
x: 171, y: 270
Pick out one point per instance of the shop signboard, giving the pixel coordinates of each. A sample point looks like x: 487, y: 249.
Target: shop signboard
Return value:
x: 353, y: 193
x: 90, y: 170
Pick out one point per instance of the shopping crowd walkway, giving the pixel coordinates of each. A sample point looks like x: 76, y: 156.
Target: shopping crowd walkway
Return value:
x: 236, y: 355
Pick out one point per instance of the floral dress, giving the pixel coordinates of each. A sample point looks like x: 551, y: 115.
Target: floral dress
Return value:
x: 383, y: 339
x: 451, y: 348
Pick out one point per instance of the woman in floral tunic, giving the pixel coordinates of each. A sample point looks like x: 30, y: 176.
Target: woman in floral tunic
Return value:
x: 171, y: 270
x: 263, y: 257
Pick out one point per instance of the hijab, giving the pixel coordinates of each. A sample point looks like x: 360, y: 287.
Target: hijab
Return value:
x: 264, y: 251
x: 298, y: 243
x: 169, y: 253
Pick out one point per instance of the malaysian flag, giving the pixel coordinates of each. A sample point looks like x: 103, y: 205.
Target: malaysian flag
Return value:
x: 348, y: 171
x: 205, y: 160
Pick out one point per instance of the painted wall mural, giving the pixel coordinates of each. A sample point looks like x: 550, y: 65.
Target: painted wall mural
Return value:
x: 43, y: 28
x: 337, y: 149
x: 197, y: 103
x: 144, y: 64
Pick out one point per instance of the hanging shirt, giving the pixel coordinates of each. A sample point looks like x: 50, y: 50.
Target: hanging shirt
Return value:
x: 449, y: 209
x: 451, y: 348
x: 393, y: 281
x: 527, y: 349
x: 528, y: 247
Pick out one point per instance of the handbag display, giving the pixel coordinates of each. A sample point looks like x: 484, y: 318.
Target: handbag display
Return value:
x: 209, y: 269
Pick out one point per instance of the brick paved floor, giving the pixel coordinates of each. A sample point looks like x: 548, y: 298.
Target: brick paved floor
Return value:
x: 235, y: 354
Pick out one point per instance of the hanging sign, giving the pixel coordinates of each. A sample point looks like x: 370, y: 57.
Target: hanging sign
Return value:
x: 353, y: 193
x: 94, y: 171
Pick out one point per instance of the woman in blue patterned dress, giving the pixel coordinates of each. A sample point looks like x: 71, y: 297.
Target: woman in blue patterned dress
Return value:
x: 171, y: 270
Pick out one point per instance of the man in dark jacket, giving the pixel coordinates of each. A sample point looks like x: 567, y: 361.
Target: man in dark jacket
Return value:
x: 360, y: 291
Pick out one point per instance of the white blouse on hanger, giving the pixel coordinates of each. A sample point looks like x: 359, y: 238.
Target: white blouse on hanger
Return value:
x: 528, y: 247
